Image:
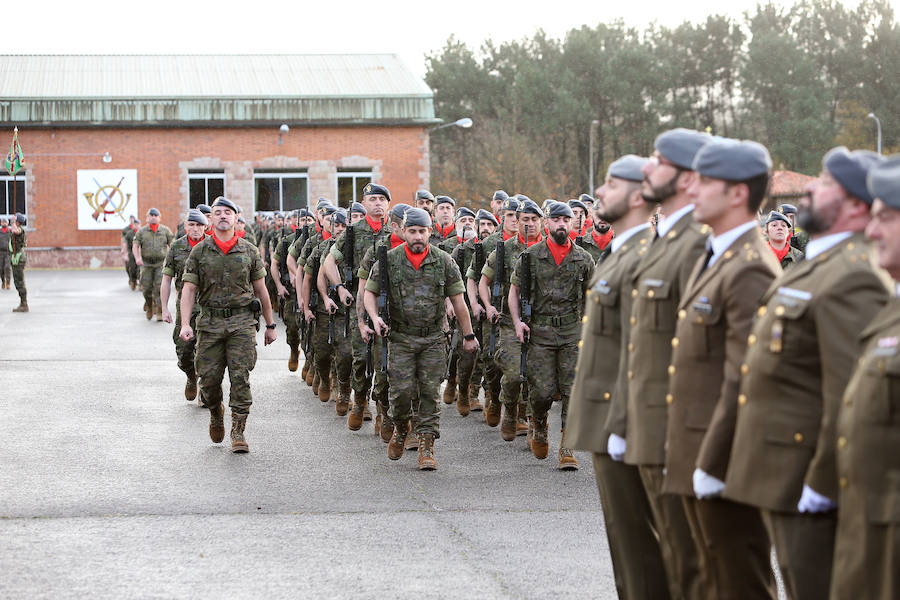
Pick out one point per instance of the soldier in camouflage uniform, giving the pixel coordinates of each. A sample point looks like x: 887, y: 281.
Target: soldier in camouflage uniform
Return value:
x: 223, y: 274
x: 5, y: 267
x: 17, y: 258
x: 509, y: 349
x: 595, y: 238
x: 444, y: 227
x: 420, y: 279
x: 150, y: 246
x: 195, y: 225
x: 264, y: 251
x: 284, y: 286
x: 560, y: 272
x: 424, y: 200
x: 131, y: 268
x: 464, y: 228
x: 242, y: 231
x: 367, y: 232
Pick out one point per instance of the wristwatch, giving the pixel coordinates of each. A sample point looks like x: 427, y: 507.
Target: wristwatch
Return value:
x: 272, y: 326
x: 469, y: 337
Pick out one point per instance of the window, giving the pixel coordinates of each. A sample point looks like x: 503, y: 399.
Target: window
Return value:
x: 205, y: 186
x: 11, y: 201
x: 350, y: 183
x: 280, y: 190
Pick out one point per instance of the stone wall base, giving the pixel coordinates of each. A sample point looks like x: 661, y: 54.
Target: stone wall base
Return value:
x: 74, y: 258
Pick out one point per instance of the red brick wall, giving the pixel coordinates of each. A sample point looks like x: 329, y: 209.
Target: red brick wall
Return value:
x: 162, y: 157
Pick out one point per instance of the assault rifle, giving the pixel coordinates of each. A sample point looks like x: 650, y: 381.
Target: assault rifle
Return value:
x: 579, y: 239
x: 479, y: 265
x: 383, y: 283
x: 497, y: 288
x: 349, y: 256
x: 525, y: 301
x: 313, y: 300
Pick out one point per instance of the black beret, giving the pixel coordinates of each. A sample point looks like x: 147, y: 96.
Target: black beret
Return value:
x: 339, y: 216
x: 398, y: 210
x: 577, y: 204
x: 585, y: 198
x: 278, y: 215
x: 788, y: 209
x: 241, y: 219
x: 464, y: 212
x: 322, y: 203
x: 20, y: 219
x: 223, y: 201
x: 356, y: 207
x: 486, y: 215
x: 629, y: 167
x: 154, y: 212
x: 500, y: 195
x: 883, y: 181
x: 530, y: 206
x: 777, y: 216
x: 680, y: 146
x: 424, y: 195
x: 510, y: 204
x: 521, y: 198
x: 204, y: 208
x: 559, y: 209
x: 373, y: 189
x: 416, y: 217
x: 329, y: 209
x: 444, y: 200
x: 732, y: 160
x: 850, y: 169
x: 196, y: 216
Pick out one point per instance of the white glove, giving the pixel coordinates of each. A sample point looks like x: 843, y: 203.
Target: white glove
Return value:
x: 615, y: 445
x: 707, y: 486
x: 812, y: 501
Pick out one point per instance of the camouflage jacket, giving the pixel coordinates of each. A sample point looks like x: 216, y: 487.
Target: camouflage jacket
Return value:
x: 4, y: 240
x: 281, y: 254
x: 154, y: 245
x: 314, y: 263
x: 176, y: 259
x: 512, y: 248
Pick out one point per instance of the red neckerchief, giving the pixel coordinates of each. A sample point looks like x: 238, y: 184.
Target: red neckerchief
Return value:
x: 134, y: 228
x: 783, y: 252
x: 225, y: 247
x: 326, y: 235
x: 559, y: 252
x: 193, y: 243
x: 318, y: 229
x: 416, y: 259
x: 575, y: 234
x: 5, y: 229
x: 240, y: 234
x: 603, y: 240
x: 530, y: 244
x: 375, y: 225
x: 445, y: 233
x: 395, y: 241
x: 154, y: 227
x: 497, y: 217
x: 588, y: 224
x: 293, y: 229
x: 506, y: 236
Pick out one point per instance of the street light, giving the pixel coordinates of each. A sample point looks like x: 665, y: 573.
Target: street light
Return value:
x: 465, y: 123
x: 878, y: 122
x: 591, y: 135
x: 281, y: 131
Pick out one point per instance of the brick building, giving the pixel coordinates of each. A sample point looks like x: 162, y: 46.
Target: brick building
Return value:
x: 108, y: 136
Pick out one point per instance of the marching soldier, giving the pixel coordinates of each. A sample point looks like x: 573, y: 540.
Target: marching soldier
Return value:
x: 424, y: 200
x: 802, y: 349
x: 223, y: 274
x: 195, y: 225
x: 464, y: 227
x: 241, y: 230
x: 497, y: 201
x: 867, y: 544
x: 17, y: 259
x: 596, y: 235
x: 598, y: 394
x: 778, y: 230
x: 444, y: 227
x: 128, y: 233
x: 420, y: 277
x: 714, y: 318
x: 357, y: 212
x: 658, y: 284
x: 150, y: 246
x: 558, y: 279
x: 5, y: 267
x: 284, y: 287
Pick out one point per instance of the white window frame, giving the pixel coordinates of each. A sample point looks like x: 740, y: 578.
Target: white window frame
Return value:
x: 206, y: 176
x: 353, y: 175
x: 22, y: 204
x: 281, y: 177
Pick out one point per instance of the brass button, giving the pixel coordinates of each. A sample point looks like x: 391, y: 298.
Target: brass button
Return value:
x: 633, y: 321
x: 584, y: 319
x: 761, y: 311
x: 842, y: 442
x: 742, y: 399
x: 751, y: 340
x: 630, y: 347
x: 779, y: 311
x: 596, y: 299
x: 842, y: 482
x: 674, y: 342
x: 745, y: 369
x: 728, y: 254
x: 671, y: 235
x: 848, y: 402
x: 630, y: 374
x: 851, y: 246
x: 682, y: 314
x: 671, y: 369
x: 589, y: 292
x: 580, y: 343
x: 798, y: 437
x: 699, y: 320
x: 634, y: 293
x: 606, y: 395
x: 670, y: 399
x: 651, y: 293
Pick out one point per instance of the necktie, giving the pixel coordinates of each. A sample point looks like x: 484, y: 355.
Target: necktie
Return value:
x: 709, y: 255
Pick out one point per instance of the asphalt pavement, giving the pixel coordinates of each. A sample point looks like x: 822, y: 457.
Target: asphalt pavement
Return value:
x: 111, y: 488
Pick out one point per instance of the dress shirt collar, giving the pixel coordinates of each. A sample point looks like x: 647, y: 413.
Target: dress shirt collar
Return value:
x: 721, y: 243
x: 620, y: 239
x: 668, y: 222
x: 820, y: 245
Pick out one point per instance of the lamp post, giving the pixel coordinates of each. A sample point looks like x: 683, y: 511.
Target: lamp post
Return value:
x: 281, y: 131
x: 591, y: 135
x: 464, y: 123
x: 877, y: 122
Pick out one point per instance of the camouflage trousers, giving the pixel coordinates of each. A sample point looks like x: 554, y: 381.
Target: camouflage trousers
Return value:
x: 221, y: 349
x: 551, y: 370
x: 474, y: 366
x: 336, y: 355
x: 18, y: 273
x: 415, y: 368
x: 151, y: 279
x: 361, y: 383
x: 291, y: 318
x: 185, y: 351
x: 5, y: 267
x: 508, y: 357
x: 131, y: 269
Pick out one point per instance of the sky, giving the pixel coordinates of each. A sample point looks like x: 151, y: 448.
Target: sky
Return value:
x: 409, y: 29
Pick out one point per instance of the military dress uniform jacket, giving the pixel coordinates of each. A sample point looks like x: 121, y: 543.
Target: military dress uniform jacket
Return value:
x: 801, y: 352
x: 658, y: 283
x: 605, y: 324
x: 714, y: 319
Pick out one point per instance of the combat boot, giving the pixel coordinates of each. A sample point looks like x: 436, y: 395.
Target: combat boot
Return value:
x: 159, y: 316
x: 23, y: 304
x: 426, y: 452
x: 522, y: 419
x: 343, y: 403
x: 305, y: 370
x: 217, y: 423
x: 540, y: 444
x: 450, y: 391
x: 316, y: 382
x: 325, y: 388
x: 395, y: 447
x: 462, y: 402
x: 355, y: 420
x: 378, y: 419
x: 367, y: 414
x: 530, y: 434
x: 567, y: 460
x: 475, y: 404
x: 508, y: 426
x: 132, y: 285
x: 238, y: 443
x: 412, y: 440
x: 148, y: 307
x: 310, y: 376
x: 387, y: 428
x: 190, y: 387
x: 492, y: 410
x: 294, y: 360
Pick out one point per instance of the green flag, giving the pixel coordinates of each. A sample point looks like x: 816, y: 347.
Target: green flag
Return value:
x: 15, y: 158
